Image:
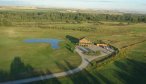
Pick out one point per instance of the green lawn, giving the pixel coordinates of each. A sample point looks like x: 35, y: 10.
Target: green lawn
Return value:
x: 41, y: 59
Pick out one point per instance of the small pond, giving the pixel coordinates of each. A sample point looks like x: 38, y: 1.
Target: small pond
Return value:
x: 54, y: 42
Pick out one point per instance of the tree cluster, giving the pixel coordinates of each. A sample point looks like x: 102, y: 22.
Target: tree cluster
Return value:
x: 7, y: 17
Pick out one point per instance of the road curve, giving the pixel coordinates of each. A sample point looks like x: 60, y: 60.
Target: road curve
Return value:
x: 85, y: 62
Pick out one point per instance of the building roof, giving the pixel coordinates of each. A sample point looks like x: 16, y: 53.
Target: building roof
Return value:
x: 84, y: 38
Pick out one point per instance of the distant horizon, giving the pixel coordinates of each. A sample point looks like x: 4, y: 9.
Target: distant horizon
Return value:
x: 121, y: 5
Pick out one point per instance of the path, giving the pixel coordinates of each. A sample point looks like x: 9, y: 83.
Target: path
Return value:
x: 85, y: 62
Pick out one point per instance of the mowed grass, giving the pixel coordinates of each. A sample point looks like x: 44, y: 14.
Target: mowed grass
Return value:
x: 42, y: 58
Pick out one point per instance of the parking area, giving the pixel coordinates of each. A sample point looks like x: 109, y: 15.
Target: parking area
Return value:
x: 94, y: 48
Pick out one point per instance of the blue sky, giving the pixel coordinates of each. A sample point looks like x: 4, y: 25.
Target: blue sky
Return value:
x: 133, y: 5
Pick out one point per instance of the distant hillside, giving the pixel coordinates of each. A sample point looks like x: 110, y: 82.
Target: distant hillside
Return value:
x: 62, y: 10
x: 71, y: 10
x: 16, y: 7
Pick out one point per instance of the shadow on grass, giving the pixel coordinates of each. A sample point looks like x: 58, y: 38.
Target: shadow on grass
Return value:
x: 70, y: 47
x: 50, y: 81
x: 18, y: 70
x: 56, y: 80
x: 72, y: 39
x: 132, y: 71
x: 83, y: 77
x: 3, y: 76
x: 86, y: 77
x: 129, y: 72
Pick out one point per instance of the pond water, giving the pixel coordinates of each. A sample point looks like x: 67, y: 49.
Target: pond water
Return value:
x: 54, y: 42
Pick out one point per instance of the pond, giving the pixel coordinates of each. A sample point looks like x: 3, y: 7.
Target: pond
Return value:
x: 54, y: 42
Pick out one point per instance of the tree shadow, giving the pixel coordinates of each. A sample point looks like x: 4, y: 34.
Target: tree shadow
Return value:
x: 50, y: 81
x: 84, y: 77
x: 132, y: 71
x: 89, y: 77
x: 103, y: 78
x: 18, y: 70
x: 3, y: 75
x: 55, y: 80
x: 70, y: 47
x: 72, y: 39
x: 62, y: 66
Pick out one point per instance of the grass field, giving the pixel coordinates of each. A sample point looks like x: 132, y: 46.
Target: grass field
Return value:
x: 42, y: 59
x: 127, y: 68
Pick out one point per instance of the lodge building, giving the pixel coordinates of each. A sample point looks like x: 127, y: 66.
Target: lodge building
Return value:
x: 84, y: 42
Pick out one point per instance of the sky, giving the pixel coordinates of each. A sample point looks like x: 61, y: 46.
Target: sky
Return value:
x: 132, y: 5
